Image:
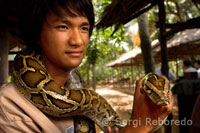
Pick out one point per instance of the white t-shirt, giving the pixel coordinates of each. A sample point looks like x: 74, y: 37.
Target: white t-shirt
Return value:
x: 190, y: 69
x: 198, y: 73
x: 171, y: 76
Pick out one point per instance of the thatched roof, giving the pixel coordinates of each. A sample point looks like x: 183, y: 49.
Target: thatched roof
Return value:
x: 8, y: 15
x: 131, y: 57
x: 125, y: 58
x: 122, y: 11
x: 183, y: 44
x: 180, y: 46
x: 14, y: 40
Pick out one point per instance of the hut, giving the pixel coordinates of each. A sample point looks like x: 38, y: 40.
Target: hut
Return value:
x: 182, y: 45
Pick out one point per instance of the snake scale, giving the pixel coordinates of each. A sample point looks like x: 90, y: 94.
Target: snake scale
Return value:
x: 34, y: 82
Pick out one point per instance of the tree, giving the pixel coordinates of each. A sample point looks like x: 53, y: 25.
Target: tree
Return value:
x: 146, y: 44
x: 92, y: 56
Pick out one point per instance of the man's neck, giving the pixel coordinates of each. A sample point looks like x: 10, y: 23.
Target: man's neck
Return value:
x: 59, y: 76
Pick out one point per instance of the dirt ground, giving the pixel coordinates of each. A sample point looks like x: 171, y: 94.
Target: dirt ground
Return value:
x: 123, y: 102
x: 120, y: 101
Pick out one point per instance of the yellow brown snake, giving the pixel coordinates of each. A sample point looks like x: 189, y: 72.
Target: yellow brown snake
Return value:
x: 34, y: 82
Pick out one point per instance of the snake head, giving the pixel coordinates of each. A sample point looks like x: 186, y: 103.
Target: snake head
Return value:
x: 157, y: 88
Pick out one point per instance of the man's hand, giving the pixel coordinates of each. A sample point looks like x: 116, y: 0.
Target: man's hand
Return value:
x: 144, y: 108
x: 109, y: 130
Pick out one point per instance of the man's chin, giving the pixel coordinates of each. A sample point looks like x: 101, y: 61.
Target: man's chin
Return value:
x: 73, y: 65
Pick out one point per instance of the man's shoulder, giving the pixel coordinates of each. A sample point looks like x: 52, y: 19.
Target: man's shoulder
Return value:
x: 8, y: 92
x: 7, y: 88
x: 10, y: 96
x: 13, y: 102
x: 191, y: 69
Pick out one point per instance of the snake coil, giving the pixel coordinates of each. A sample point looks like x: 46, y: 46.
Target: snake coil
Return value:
x: 34, y: 82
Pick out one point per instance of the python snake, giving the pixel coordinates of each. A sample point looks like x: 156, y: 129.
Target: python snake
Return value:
x: 157, y: 88
x: 34, y: 82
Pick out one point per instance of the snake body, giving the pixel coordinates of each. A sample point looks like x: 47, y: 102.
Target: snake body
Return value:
x: 34, y: 82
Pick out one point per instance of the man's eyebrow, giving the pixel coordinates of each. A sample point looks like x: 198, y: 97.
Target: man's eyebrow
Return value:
x: 85, y: 24
x: 66, y: 21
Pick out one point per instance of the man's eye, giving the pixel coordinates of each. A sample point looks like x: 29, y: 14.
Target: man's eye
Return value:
x: 85, y: 29
x: 62, y: 27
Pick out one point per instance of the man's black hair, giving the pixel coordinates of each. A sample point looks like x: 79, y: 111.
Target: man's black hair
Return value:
x: 197, y: 61
x: 187, y: 63
x: 32, y: 14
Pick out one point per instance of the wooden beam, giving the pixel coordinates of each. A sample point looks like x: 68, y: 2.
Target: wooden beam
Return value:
x: 180, y: 26
x: 190, y: 24
x: 4, y: 49
x: 137, y: 14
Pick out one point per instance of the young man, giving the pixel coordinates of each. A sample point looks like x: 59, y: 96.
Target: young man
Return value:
x: 59, y: 31
x: 171, y: 75
x: 187, y: 66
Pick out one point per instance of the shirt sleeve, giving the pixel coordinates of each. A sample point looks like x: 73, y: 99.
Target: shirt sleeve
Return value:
x: 16, y: 126
x: 171, y: 75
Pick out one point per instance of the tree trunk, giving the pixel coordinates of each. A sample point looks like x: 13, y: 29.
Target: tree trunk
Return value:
x: 146, y: 44
x: 4, y: 49
x: 121, y: 73
x: 94, y: 77
x: 88, y: 75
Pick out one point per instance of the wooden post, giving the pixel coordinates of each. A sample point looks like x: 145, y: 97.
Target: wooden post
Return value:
x: 163, y: 43
x: 4, y: 50
x: 177, y: 69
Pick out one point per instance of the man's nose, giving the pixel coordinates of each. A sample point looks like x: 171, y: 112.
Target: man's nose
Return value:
x: 75, y: 38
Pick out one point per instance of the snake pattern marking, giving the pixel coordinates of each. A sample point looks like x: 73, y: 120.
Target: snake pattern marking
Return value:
x: 157, y: 88
x: 34, y: 82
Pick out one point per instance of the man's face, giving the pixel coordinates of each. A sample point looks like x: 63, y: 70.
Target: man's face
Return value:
x: 64, y: 41
x: 196, y: 65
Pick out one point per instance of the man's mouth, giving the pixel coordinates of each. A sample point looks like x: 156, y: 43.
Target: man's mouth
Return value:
x: 74, y: 53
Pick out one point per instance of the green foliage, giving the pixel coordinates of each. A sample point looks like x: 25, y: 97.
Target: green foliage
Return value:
x: 180, y: 10
x: 104, y: 46
x: 92, y: 53
x: 176, y: 11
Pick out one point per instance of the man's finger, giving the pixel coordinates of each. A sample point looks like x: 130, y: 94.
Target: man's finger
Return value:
x: 138, y: 87
x: 109, y: 130
x: 166, y: 79
x: 116, y: 130
x: 171, y: 101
